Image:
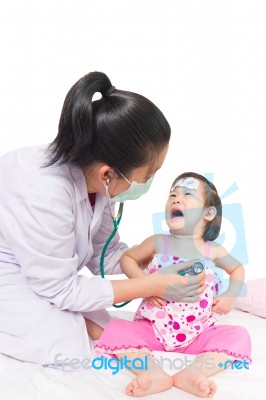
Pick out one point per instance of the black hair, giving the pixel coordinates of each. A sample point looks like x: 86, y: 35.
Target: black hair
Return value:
x: 212, y: 228
x: 122, y: 129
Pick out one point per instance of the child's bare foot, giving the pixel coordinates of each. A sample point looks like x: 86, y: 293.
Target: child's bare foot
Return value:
x: 195, y: 383
x: 149, y: 382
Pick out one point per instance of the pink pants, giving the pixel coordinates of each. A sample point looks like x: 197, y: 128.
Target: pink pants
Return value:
x: 131, y: 336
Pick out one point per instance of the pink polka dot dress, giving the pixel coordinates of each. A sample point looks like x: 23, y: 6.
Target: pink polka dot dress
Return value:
x: 177, y: 324
x: 188, y: 328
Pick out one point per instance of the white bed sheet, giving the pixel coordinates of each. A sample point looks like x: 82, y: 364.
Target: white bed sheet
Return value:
x: 19, y: 380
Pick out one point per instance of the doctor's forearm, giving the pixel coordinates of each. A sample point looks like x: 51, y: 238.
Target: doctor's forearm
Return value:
x: 130, y: 289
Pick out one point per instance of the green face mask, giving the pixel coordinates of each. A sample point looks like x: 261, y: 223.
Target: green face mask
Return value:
x: 134, y: 191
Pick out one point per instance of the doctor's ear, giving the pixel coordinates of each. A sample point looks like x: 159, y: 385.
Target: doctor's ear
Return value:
x: 210, y: 213
x: 105, y: 174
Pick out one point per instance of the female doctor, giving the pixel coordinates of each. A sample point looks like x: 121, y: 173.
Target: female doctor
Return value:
x: 56, y: 208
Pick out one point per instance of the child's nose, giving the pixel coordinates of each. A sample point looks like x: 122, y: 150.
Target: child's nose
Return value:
x: 176, y: 201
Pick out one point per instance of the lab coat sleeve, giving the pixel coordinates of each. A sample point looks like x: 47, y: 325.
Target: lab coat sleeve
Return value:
x: 42, y: 238
x: 114, y: 250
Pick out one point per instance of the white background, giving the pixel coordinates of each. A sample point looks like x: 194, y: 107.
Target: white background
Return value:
x: 202, y: 62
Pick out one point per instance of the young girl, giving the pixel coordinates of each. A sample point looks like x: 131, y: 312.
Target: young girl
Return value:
x: 193, y: 215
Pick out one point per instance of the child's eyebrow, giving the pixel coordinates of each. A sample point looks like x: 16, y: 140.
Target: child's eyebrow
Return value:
x: 185, y: 189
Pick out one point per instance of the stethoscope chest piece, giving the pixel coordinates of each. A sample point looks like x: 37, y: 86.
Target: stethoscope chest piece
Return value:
x: 194, y: 269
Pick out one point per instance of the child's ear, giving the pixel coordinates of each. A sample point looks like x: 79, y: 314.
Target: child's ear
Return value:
x: 210, y: 213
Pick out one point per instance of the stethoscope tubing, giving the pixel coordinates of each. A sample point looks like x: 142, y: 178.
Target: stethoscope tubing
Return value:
x: 116, y: 222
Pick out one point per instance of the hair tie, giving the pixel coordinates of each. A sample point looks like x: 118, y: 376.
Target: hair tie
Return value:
x: 110, y: 91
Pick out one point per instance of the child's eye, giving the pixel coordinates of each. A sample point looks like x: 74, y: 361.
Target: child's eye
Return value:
x: 188, y: 194
x: 171, y: 195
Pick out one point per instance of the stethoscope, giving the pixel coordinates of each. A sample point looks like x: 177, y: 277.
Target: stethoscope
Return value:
x: 116, y: 221
x: 194, y: 269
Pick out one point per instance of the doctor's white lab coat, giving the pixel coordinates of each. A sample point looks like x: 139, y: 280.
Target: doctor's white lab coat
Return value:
x: 48, y: 232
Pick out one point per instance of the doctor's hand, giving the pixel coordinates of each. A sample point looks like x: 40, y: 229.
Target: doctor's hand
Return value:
x: 167, y: 284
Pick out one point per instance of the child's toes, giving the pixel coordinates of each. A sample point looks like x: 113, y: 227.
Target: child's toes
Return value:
x: 135, y: 384
x: 129, y: 389
x: 212, y: 388
x: 143, y: 383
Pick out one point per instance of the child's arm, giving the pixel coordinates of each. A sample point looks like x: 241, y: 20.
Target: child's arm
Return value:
x: 132, y: 261
x: 224, y: 303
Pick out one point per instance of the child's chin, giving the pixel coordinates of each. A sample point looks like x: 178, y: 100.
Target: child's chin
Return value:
x: 176, y: 224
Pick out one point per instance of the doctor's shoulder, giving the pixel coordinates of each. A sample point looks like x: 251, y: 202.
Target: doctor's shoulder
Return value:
x: 22, y: 177
x: 19, y: 171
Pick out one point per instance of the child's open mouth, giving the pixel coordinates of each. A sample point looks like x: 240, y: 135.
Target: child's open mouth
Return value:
x: 177, y: 214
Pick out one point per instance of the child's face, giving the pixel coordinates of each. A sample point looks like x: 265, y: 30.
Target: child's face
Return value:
x: 185, y: 210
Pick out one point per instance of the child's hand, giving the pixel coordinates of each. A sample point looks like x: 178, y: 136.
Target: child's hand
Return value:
x: 156, y: 301
x: 222, y: 305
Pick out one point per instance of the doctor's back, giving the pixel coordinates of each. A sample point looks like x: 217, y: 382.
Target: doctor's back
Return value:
x: 35, y: 200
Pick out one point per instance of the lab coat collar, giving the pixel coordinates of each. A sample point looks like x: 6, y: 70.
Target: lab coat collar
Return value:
x: 79, y: 181
x: 82, y: 190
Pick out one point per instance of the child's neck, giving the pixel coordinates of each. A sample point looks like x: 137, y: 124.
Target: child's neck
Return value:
x: 186, y: 246
x: 194, y: 237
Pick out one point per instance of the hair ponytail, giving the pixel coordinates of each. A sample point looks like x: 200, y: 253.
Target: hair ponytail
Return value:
x: 76, y: 127
x: 122, y: 129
